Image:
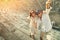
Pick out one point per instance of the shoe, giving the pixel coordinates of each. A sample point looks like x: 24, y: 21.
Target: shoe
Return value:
x: 41, y: 38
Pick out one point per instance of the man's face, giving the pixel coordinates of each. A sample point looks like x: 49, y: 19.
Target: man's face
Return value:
x: 40, y: 15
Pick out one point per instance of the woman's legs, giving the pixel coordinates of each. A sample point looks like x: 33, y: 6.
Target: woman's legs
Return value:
x: 49, y: 35
x: 33, y: 32
x: 32, y: 35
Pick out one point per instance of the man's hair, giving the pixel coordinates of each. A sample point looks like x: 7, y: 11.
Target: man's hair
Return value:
x: 39, y: 11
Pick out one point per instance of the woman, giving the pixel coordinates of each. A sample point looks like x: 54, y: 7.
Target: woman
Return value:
x: 33, y: 24
x: 47, y: 26
x: 46, y: 19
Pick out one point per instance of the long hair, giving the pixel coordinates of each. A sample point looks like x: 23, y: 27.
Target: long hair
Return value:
x: 32, y: 12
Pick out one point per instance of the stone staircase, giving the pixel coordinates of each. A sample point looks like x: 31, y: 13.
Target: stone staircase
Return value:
x: 16, y: 27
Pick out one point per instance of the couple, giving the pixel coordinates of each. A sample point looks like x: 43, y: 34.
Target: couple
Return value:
x: 40, y: 19
x: 34, y: 18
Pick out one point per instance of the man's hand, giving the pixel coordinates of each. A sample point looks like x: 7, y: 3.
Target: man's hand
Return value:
x: 35, y: 24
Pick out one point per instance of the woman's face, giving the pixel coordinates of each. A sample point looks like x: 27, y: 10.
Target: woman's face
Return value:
x: 33, y: 14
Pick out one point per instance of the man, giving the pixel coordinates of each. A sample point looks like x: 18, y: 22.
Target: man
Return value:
x: 46, y: 23
x: 39, y: 22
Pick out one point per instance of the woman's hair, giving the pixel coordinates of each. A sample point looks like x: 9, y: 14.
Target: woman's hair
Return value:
x: 32, y: 12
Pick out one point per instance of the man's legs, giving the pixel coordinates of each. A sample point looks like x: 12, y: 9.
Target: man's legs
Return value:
x: 42, y: 35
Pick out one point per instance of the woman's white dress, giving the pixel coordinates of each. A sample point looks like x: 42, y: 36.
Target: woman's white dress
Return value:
x: 32, y: 28
x: 46, y: 22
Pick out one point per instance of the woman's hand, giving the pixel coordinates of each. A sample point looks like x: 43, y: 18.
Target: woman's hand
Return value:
x: 48, y: 4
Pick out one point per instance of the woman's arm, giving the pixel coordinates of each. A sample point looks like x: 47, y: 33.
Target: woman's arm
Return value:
x: 48, y: 4
x: 48, y: 10
x: 28, y: 18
